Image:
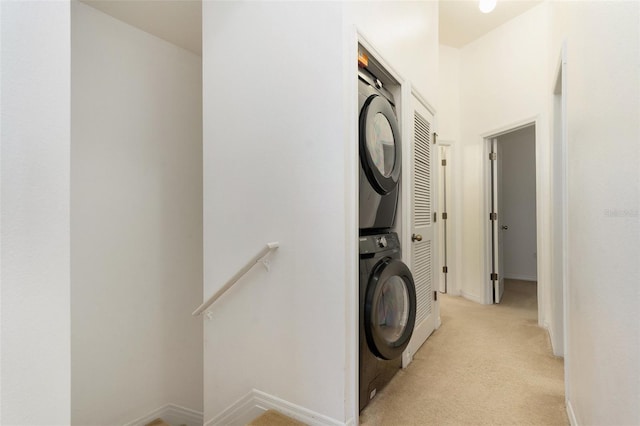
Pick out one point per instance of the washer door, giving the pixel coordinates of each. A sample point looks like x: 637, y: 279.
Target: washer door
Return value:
x: 389, y: 309
x: 380, y: 144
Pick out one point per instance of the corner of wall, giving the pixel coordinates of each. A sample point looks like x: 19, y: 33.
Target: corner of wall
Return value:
x: 173, y: 414
x: 571, y: 414
x: 257, y: 402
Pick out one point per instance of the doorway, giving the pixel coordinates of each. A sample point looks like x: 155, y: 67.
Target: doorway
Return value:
x: 512, y: 215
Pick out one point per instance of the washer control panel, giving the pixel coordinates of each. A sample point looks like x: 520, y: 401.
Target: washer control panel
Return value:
x: 370, y: 244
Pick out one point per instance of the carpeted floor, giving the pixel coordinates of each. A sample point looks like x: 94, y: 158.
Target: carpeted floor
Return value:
x: 485, y: 365
x: 273, y: 418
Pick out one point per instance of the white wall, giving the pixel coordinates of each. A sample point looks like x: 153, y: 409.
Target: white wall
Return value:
x: 603, y: 341
x: 280, y: 163
x: 449, y: 125
x: 35, y: 213
x: 274, y: 170
x: 518, y: 203
x: 503, y: 85
x: 136, y: 222
x: 405, y: 33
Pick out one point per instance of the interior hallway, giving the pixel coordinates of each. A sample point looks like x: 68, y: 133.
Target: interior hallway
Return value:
x: 485, y: 365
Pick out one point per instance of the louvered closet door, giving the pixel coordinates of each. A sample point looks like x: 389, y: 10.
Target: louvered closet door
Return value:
x: 423, y: 250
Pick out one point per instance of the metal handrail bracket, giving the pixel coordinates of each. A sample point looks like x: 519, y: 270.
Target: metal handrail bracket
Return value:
x: 260, y: 257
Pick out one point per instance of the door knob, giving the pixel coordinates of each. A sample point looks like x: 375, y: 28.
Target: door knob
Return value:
x: 505, y: 227
x: 416, y: 237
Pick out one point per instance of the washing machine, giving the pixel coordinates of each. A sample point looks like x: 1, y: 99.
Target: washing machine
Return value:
x: 380, y: 154
x: 387, y: 312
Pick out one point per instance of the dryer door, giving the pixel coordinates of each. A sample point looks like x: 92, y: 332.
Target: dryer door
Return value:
x: 389, y: 309
x: 380, y: 144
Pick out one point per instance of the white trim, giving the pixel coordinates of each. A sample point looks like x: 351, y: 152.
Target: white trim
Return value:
x: 486, y: 207
x: 509, y: 276
x: 240, y: 412
x: 352, y: 227
x: 171, y: 413
x: 472, y: 297
x: 571, y: 414
x: 516, y: 125
x: 565, y: 229
x: 256, y: 402
x: 452, y: 206
x: 423, y: 101
x: 554, y: 348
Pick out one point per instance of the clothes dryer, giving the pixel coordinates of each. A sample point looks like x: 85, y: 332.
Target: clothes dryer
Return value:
x: 380, y: 154
x: 387, y: 312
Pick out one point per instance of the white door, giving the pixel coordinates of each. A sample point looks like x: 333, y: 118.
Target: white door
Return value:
x: 444, y: 189
x: 497, y: 273
x: 422, y: 250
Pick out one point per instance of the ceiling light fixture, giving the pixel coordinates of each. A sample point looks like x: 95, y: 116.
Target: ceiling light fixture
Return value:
x: 487, y: 6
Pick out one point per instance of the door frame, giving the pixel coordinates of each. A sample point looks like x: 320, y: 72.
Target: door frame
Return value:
x: 541, y: 232
x: 452, y: 206
x: 561, y: 141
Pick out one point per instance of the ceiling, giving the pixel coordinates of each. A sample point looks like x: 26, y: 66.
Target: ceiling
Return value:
x: 180, y: 21
x: 461, y: 22
x: 176, y: 21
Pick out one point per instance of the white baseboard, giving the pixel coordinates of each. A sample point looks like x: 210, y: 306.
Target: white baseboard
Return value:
x: 472, y: 297
x: 173, y: 414
x: 257, y: 402
x: 571, y: 414
x: 554, y: 346
x: 520, y: 277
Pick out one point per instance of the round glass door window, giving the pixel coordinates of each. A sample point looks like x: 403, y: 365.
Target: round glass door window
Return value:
x: 381, y: 144
x: 392, y: 313
x: 389, y: 308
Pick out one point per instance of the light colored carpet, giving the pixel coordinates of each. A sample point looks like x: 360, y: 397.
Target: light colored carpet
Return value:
x: 274, y: 418
x: 485, y: 365
x: 158, y: 422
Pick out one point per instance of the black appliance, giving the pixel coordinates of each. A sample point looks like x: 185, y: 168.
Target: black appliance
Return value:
x: 380, y: 154
x: 387, y: 312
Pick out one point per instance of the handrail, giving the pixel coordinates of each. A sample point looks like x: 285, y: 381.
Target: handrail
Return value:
x: 254, y: 261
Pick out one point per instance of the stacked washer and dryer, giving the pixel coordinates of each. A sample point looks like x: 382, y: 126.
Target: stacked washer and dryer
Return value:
x: 387, y: 292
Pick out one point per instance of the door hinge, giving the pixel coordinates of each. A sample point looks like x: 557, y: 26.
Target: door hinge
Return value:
x: 435, y: 217
x: 493, y: 156
x: 493, y: 216
x: 445, y: 269
x: 444, y: 216
x: 444, y: 162
x: 494, y: 276
x: 435, y: 295
x: 435, y: 137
